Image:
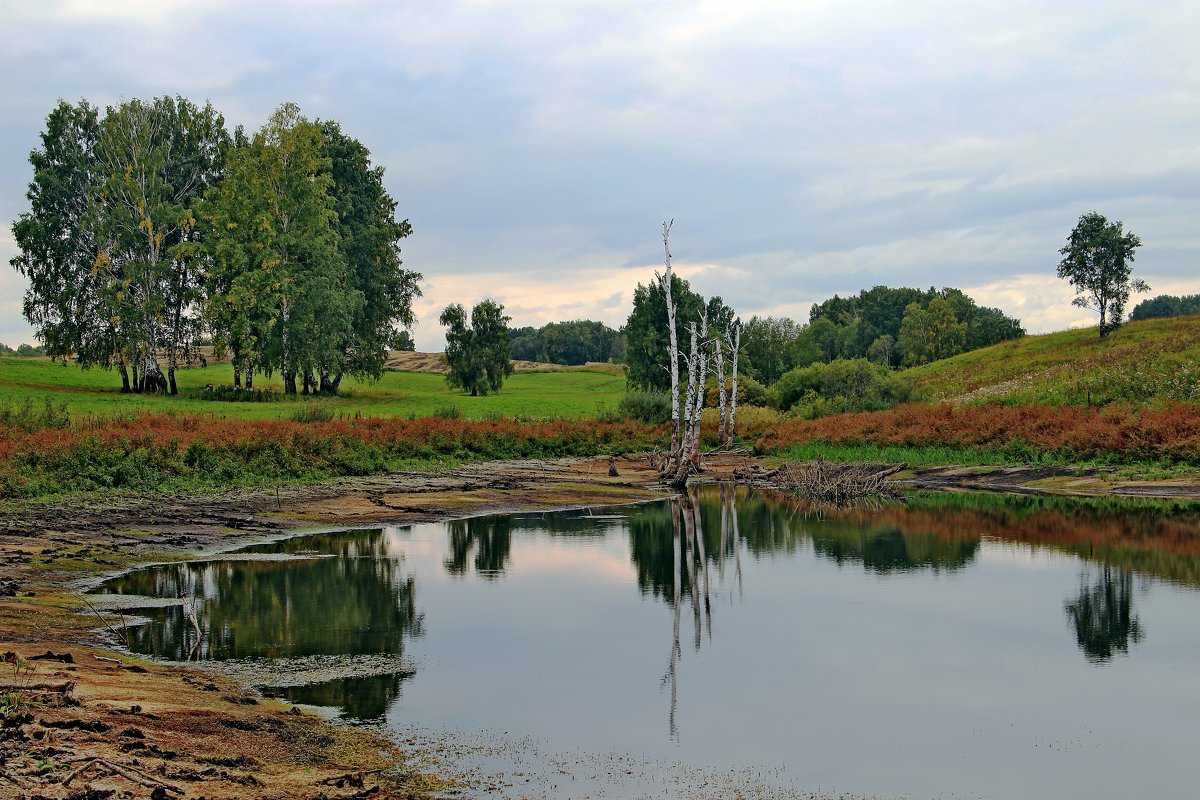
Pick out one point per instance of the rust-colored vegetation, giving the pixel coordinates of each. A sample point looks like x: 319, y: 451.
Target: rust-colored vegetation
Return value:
x: 1169, y: 434
x: 157, y: 450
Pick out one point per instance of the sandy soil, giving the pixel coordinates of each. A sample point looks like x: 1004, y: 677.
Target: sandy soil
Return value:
x: 86, y: 722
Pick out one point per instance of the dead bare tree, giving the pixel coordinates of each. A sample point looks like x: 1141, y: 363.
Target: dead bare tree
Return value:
x: 665, y: 279
x: 719, y: 349
x: 734, y: 339
x: 685, y: 457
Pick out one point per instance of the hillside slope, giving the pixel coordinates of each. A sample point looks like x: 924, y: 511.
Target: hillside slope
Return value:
x: 1146, y: 362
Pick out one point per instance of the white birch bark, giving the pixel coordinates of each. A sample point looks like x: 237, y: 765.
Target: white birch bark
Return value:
x: 719, y: 344
x: 672, y: 337
x: 735, y: 344
x: 698, y: 398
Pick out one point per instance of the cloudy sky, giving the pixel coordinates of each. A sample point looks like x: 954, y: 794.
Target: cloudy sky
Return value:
x: 803, y: 148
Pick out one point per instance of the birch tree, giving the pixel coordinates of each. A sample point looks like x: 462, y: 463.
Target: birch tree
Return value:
x: 155, y: 160
x: 280, y: 298
x: 665, y: 279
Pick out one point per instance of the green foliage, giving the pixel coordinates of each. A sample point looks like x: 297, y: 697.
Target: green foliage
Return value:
x: 931, y: 333
x: 279, y: 294
x: 28, y: 416
x: 225, y: 393
x: 1166, y: 305
x: 477, y: 356
x: 841, y: 385
x: 313, y: 412
x: 367, y: 238
x: 56, y: 242
x: 647, y: 355
x: 770, y: 347
x: 1096, y: 261
x: 857, y: 327
x: 25, y: 350
x: 570, y: 343
x: 448, y: 411
x: 652, y: 408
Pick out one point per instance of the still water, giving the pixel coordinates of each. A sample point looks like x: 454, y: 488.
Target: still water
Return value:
x: 946, y: 646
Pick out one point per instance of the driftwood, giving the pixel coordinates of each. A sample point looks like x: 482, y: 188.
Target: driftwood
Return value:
x: 60, y: 688
x: 128, y: 773
x: 820, y: 480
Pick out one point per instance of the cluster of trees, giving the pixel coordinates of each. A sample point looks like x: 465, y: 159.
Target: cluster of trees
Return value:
x: 150, y: 225
x: 1166, y: 305
x: 905, y: 327
x: 477, y: 347
x: 890, y: 327
x: 25, y: 350
x: 571, y: 343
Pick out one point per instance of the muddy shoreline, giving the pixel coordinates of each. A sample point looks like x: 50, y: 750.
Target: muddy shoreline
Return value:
x: 109, y: 722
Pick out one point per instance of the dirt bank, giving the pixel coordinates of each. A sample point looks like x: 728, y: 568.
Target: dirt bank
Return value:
x: 83, y: 721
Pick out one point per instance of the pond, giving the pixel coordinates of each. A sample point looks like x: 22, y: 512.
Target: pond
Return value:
x: 947, y: 645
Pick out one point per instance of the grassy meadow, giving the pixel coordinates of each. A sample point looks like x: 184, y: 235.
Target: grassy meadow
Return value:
x: 1148, y: 362
x: 573, y: 393
x: 1130, y: 400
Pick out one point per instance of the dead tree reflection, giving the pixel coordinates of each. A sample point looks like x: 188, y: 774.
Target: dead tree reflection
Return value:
x: 689, y: 552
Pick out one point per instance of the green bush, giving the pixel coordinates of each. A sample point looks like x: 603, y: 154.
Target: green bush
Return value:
x: 840, y: 386
x: 313, y: 412
x: 651, y: 408
x: 223, y: 392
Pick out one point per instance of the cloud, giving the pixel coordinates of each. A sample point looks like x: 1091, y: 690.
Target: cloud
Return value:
x: 804, y: 149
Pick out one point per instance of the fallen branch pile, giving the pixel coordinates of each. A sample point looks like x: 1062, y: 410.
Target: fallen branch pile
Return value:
x: 822, y: 481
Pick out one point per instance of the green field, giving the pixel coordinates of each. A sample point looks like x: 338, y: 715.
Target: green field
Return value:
x: 542, y: 395
x: 1141, y: 363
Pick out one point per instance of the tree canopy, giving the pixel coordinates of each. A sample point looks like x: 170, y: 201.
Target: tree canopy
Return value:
x: 1097, y: 261
x: 571, y: 343
x: 477, y: 349
x: 646, y: 338
x: 149, y: 224
x: 1166, y: 305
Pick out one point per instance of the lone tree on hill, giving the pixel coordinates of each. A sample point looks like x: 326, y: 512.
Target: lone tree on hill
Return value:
x: 477, y: 355
x: 1096, y: 261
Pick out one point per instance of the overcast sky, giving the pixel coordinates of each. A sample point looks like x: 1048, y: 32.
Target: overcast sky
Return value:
x: 803, y: 148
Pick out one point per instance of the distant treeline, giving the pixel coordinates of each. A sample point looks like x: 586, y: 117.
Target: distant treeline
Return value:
x: 23, y: 350
x: 892, y: 327
x: 1166, y: 305
x: 575, y: 342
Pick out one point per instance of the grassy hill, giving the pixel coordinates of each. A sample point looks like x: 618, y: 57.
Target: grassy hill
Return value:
x: 558, y: 392
x: 1142, y: 363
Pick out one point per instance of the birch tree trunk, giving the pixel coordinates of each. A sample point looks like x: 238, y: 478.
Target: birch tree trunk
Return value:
x: 735, y: 344
x: 698, y: 396
x: 672, y: 337
x: 720, y: 348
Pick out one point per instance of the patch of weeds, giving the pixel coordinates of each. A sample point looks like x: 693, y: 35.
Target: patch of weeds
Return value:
x: 15, y: 700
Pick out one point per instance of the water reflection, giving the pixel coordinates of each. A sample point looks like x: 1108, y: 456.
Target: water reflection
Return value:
x: 1102, y: 614
x: 330, y: 595
x: 351, y: 594
x: 490, y: 538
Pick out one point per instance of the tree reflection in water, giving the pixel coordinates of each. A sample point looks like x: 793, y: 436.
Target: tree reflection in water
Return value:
x: 1102, y: 615
x: 490, y: 537
x: 351, y: 600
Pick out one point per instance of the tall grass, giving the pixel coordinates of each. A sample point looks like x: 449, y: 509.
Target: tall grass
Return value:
x: 171, y: 452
